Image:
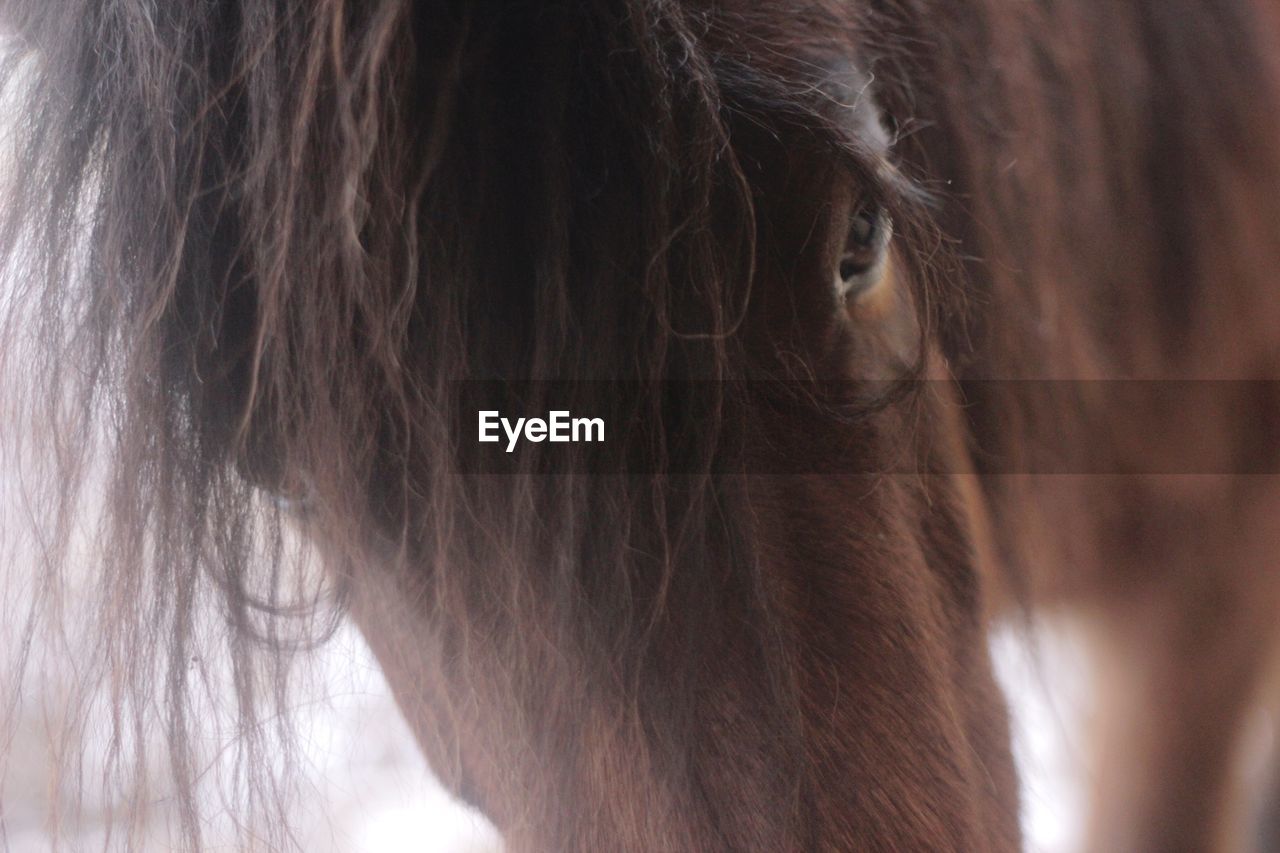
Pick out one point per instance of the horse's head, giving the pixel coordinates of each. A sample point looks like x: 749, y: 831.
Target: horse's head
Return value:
x: 331, y: 222
x: 772, y: 600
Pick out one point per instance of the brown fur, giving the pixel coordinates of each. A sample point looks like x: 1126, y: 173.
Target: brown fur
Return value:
x: 298, y: 224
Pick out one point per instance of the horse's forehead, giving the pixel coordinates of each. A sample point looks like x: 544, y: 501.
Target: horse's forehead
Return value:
x: 851, y: 91
x: 806, y: 31
x: 811, y: 49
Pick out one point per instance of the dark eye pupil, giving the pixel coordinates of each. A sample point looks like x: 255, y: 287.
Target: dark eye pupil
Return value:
x: 863, y: 243
x: 862, y: 231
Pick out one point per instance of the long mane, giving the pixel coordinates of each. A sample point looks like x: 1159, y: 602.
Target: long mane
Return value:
x: 250, y: 249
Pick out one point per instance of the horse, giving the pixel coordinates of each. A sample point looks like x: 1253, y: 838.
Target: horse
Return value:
x: 901, y: 317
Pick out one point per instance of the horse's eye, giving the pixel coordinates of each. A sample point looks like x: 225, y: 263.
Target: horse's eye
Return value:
x: 865, y: 249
